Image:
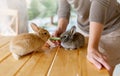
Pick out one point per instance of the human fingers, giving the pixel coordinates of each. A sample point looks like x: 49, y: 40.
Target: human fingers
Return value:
x: 56, y: 34
x: 93, y: 61
x: 102, y: 60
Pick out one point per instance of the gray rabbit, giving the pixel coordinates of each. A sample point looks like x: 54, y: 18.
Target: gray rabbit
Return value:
x: 72, y: 39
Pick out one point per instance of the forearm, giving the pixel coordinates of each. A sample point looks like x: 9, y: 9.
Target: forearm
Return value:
x: 93, y: 55
x: 62, y: 23
x: 94, y: 35
x: 63, y: 14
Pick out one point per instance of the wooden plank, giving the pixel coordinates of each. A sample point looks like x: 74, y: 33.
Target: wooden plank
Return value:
x: 4, y: 40
x: 82, y: 63
x: 53, y: 62
x: 10, y: 66
x: 4, y: 52
x: 88, y: 69
x: 4, y: 47
x: 38, y: 64
x: 49, y: 70
x: 66, y: 63
x: 7, y: 62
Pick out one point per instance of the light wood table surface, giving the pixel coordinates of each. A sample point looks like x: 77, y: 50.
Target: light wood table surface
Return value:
x: 54, y: 62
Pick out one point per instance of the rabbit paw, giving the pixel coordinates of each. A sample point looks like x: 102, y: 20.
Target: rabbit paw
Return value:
x: 17, y: 57
x: 72, y: 48
x: 66, y: 48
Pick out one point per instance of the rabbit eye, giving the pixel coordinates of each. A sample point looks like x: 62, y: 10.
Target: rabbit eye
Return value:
x: 64, y: 36
x: 45, y: 33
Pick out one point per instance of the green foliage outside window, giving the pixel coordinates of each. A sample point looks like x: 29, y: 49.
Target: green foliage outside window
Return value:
x: 42, y: 8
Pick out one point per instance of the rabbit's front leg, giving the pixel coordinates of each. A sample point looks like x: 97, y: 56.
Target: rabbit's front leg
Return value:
x: 73, y: 48
x: 67, y: 48
x: 17, y: 57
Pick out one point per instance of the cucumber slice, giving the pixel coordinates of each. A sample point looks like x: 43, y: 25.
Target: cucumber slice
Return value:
x: 54, y: 38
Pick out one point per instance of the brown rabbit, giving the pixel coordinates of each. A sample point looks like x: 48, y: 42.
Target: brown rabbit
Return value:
x: 72, y: 39
x: 28, y: 42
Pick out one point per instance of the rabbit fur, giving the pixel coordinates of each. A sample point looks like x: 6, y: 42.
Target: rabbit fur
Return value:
x: 25, y: 43
x: 71, y: 39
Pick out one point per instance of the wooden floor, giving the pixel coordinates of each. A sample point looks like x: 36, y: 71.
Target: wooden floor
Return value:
x: 53, y: 62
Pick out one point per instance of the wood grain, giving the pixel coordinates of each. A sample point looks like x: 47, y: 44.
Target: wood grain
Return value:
x: 4, y: 40
x: 50, y: 62
x: 10, y: 66
x: 4, y: 52
x: 88, y: 69
x: 66, y: 63
x: 38, y: 64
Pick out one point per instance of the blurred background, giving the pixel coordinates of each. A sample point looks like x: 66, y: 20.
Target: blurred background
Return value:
x: 44, y: 13
x: 17, y: 15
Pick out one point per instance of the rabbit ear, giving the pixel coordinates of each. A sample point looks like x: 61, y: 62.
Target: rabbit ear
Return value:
x: 35, y: 27
x: 72, y: 30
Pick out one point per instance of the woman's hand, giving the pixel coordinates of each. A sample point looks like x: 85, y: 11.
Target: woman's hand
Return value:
x: 57, y: 33
x: 62, y: 25
x: 93, y: 54
x: 99, y: 60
